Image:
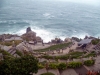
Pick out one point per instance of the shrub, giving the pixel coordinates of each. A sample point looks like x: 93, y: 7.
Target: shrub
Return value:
x: 55, y: 47
x: 89, y: 62
x: 64, y: 57
x: 75, y: 54
x: 47, y: 57
x: 6, y: 55
x: 19, y: 53
x: 23, y: 66
x: 8, y: 43
x: 40, y: 66
x: 90, y: 55
x: 48, y: 73
x: 43, y: 63
x: 95, y: 42
x: 74, y: 64
x: 17, y: 42
x: 53, y: 65
x: 62, y: 66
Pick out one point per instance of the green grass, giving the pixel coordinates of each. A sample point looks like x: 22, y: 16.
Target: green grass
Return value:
x: 55, y: 47
x: 5, y: 52
x: 90, y: 55
x: 10, y: 43
x: 75, y: 54
x: 65, y: 57
x: 6, y: 55
x: 95, y: 42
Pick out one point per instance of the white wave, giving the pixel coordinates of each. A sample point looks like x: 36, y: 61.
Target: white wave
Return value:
x: 22, y: 31
x: 80, y: 35
x: 97, y: 36
x: 44, y: 34
x: 3, y: 21
x: 46, y: 14
x: 49, y: 35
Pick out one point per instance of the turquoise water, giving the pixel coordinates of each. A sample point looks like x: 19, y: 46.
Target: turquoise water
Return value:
x: 49, y: 19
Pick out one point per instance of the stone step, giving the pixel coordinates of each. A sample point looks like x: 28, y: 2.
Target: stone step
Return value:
x: 69, y: 72
x: 82, y: 70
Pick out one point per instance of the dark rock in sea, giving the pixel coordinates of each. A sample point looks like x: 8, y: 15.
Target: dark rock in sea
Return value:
x: 28, y: 30
x: 30, y: 35
x: 86, y: 37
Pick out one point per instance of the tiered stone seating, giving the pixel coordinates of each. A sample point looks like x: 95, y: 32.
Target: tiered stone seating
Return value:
x: 97, y: 47
x: 12, y: 51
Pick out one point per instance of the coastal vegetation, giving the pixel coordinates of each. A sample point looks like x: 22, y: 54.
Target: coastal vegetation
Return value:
x: 27, y: 58
x: 95, y: 41
x: 40, y: 66
x: 53, y: 65
x: 19, y: 53
x: 62, y: 66
x: 55, y: 47
x: 89, y: 62
x: 71, y: 55
x: 74, y: 64
x: 10, y: 43
x: 6, y: 55
x: 25, y: 65
x: 91, y: 54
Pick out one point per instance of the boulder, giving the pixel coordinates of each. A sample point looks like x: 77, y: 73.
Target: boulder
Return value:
x: 67, y: 40
x: 38, y: 39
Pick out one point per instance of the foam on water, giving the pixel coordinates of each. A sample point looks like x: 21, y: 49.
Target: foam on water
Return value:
x: 49, y: 20
x: 44, y: 34
x: 80, y: 35
x: 47, y: 35
x: 3, y: 21
x: 48, y: 15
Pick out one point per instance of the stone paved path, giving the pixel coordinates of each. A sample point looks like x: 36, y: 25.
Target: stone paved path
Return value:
x: 54, y: 71
x: 69, y: 72
x: 81, y: 70
x: 41, y: 71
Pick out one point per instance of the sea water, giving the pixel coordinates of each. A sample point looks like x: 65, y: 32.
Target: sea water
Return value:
x: 49, y: 19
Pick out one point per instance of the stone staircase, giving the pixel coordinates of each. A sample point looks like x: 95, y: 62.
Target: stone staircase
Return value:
x: 97, y: 47
x: 12, y: 50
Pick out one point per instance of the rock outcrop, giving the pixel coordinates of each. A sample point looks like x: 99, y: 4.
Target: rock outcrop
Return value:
x: 56, y: 41
x: 68, y: 40
x: 28, y: 30
x: 30, y: 35
x: 38, y: 39
x: 76, y: 39
x: 6, y: 36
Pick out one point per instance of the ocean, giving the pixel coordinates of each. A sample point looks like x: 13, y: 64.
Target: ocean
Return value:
x: 49, y: 19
